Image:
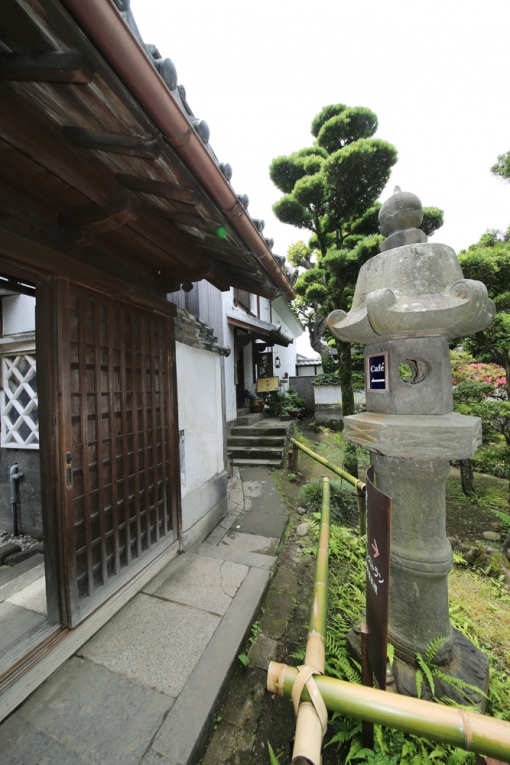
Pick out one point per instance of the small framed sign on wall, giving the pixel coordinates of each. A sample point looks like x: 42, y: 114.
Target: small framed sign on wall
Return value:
x: 377, y: 371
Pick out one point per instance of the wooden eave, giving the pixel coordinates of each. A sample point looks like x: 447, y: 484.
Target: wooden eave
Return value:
x: 85, y: 173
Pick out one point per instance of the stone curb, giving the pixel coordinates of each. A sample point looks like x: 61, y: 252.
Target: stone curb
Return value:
x: 182, y: 736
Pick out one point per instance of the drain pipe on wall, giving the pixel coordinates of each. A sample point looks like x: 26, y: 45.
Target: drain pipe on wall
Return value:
x: 15, y: 475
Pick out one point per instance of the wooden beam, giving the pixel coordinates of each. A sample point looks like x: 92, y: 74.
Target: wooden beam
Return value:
x: 69, y: 66
x: 167, y: 237
x: 203, y: 224
x: 96, y: 220
x: 158, y: 188
x: 17, y: 248
x: 264, y: 290
x: 219, y: 245
x: 119, y: 143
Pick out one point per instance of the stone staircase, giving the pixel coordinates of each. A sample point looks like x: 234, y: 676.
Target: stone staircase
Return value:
x: 258, y: 440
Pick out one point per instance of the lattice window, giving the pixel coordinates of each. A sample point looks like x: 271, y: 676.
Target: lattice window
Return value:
x: 20, y: 415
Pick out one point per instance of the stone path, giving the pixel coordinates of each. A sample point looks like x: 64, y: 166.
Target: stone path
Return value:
x: 146, y: 688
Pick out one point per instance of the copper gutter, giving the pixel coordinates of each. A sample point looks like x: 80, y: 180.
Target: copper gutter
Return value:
x: 101, y: 19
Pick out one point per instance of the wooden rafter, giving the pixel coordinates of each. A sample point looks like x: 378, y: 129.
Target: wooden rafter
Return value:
x: 70, y: 66
x: 164, y: 189
x: 119, y: 143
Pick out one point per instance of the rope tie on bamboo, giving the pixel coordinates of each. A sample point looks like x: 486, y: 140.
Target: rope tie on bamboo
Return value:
x: 305, y: 677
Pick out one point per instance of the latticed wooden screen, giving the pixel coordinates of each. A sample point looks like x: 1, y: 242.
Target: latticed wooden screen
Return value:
x: 20, y: 416
x: 117, y: 441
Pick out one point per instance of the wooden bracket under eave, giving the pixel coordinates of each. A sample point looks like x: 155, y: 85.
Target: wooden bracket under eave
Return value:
x: 170, y: 281
x: 78, y: 225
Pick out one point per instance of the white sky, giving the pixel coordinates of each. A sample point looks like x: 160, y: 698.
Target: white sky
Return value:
x: 436, y: 73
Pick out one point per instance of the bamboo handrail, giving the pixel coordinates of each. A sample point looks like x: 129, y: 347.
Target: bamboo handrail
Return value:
x: 468, y: 730
x: 358, y: 485
x: 342, y: 473
x: 310, y: 728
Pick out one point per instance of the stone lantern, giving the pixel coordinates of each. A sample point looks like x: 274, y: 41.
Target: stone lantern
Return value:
x: 409, y: 301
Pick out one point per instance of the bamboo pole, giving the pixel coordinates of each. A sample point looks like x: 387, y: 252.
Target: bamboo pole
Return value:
x: 342, y: 473
x: 467, y: 730
x: 310, y: 728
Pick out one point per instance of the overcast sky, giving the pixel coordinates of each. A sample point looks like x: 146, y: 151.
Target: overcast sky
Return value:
x: 436, y: 73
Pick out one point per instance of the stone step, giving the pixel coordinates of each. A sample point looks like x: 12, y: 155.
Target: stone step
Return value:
x: 243, y: 410
x: 257, y: 452
x: 241, y: 461
x: 249, y: 419
x: 259, y: 430
x: 254, y: 440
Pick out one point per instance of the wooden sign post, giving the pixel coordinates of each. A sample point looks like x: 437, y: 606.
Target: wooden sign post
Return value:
x: 378, y: 577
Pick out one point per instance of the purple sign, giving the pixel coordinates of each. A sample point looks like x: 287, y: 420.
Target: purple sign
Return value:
x: 378, y: 576
x: 377, y: 370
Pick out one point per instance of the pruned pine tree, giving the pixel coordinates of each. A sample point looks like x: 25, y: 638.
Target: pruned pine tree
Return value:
x: 331, y: 190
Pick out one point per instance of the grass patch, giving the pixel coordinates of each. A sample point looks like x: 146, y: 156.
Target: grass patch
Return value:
x: 343, y: 504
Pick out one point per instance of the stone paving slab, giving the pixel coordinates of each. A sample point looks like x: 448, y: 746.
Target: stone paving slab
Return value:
x: 202, y: 582
x: 258, y: 523
x: 153, y: 642
x: 32, y: 574
x: 32, y: 597
x: 225, y: 552
x: 15, y: 624
x: 145, y: 690
x: 185, y: 730
x: 250, y: 542
x: 12, y: 573
x: 84, y: 713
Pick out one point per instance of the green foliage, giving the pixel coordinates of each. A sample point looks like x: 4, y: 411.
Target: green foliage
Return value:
x: 280, y: 402
x: 327, y: 113
x: 327, y: 378
x: 243, y: 659
x: 358, y: 381
x: 501, y: 168
x: 489, y: 261
x: 356, y: 175
x: 433, y: 218
x: 343, y: 505
x: 346, y: 600
x: 273, y: 760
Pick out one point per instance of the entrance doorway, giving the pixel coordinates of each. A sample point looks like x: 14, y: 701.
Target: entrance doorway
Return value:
x: 23, y: 607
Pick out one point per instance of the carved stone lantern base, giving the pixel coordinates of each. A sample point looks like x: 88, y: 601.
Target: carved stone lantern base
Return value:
x: 470, y: 665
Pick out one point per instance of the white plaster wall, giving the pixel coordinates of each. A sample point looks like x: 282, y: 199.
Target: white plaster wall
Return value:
x: 327, y: 394
x: 200, y: 416
x: 18, y: 314
x: 228, y: 334
x: 287, y: 355
x: 309, y: 371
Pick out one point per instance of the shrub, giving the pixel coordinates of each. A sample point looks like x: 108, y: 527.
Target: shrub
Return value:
x: 343, y: 504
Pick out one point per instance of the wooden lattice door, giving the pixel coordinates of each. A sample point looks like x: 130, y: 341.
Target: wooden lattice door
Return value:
x: 118, y: 443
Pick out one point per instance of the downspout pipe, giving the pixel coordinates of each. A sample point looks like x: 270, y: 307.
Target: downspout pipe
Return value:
x: 15, y: 475
x: 119, y: 46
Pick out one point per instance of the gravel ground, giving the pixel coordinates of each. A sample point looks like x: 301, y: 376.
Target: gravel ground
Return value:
x: 25, y: 541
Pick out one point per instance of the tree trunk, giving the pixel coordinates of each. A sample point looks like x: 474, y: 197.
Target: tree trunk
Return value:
x: 345, y: 375
x: 316, y: 332
x: 467, y: 477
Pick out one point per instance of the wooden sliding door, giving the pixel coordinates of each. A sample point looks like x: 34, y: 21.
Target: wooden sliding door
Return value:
x: 118, y: 442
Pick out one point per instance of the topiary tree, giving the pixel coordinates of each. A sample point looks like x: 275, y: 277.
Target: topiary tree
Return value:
x: 330, y: 189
